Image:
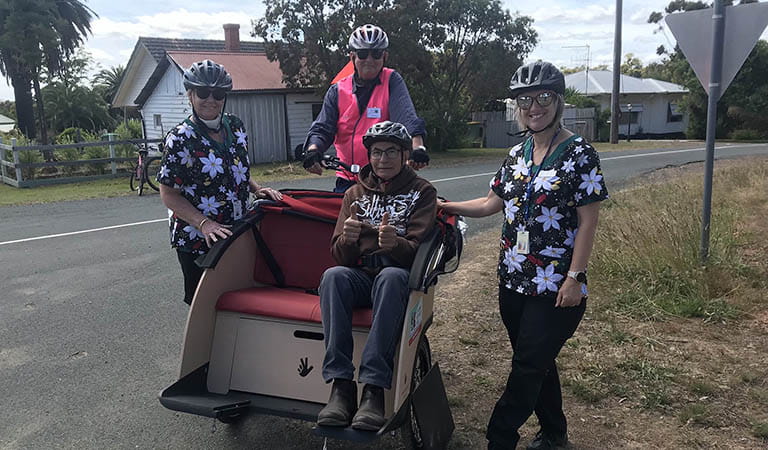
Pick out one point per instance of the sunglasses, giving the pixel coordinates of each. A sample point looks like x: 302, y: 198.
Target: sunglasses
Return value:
x: 526, y: 101
x: 203, y: 93
x: 377, y: 53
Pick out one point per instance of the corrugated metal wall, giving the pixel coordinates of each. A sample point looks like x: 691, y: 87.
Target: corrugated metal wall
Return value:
x: 264, y: 119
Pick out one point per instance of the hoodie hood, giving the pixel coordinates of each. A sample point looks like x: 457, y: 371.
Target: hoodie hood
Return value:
x: 373, y: 183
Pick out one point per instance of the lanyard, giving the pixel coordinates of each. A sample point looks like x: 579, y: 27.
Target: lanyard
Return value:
x: 529, y: 187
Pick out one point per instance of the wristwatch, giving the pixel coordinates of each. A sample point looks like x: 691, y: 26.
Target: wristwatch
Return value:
x: 581, y: 277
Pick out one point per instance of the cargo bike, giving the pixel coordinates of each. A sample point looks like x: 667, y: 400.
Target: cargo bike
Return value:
x: 253, y: 341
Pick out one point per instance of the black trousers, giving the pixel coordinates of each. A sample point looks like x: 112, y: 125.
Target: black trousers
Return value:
x: 192, y: 274
x: 537, y: 331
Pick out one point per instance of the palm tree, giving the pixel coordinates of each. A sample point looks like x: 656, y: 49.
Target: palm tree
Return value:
x: 108, y: 80
x: 36, y: 34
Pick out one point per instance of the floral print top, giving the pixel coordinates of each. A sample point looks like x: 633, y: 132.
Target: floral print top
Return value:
x: 568, y: 178
x: 212, y: 176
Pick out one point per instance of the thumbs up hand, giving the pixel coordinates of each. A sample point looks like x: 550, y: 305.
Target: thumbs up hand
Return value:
x: 387, y: 235
x: 352, y: 226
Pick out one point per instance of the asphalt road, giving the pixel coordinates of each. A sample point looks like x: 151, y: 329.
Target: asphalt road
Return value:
x: 91, y: 321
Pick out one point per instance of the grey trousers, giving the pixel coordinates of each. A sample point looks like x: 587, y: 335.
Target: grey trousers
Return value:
x: 344, y: 288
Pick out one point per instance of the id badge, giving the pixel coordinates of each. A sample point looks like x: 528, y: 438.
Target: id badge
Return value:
x: 522, y: 243
x: 373, y: 113
x: 237, y: 209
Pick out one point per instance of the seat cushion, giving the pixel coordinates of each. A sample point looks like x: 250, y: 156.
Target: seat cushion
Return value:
x: 279, y: 303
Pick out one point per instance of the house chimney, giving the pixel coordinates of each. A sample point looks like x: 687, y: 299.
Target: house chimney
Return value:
x: 231, y: 37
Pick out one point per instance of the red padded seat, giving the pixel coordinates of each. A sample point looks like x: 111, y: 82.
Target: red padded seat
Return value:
x: 283, y: 304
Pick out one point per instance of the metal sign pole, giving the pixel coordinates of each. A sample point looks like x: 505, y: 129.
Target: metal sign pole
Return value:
x: 716, y: 69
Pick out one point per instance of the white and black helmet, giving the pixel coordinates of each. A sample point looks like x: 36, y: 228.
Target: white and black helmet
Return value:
x: 207, y: 73
x: 368, y: 36
x: 387, y: 132
x: 537, y: 75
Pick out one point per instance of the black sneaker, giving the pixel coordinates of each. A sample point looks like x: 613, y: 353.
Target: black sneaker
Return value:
x: 544, y: 441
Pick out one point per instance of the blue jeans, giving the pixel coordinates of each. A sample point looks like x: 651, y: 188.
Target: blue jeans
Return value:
x: 341, y: 290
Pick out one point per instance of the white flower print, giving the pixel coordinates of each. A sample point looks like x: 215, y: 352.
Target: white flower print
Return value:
x: 239, y: 171
x: 169, y: 140
x: 512, y: 260
x: 553, y: 252
x: 232, y: 150
x: 193, y: 232
x: 583, y: 159
x: 186, y: 130
x: 242, y: 138
x: 544, y: 182
x: 591, y: 182
x: 222, y: 189
x: 212, y: 165
x: 578, y: 150
x: 577, y: 197
x: 163, y: 172
x: 231, y: 196
x: 171, y: 157
x: 549, y: 217
x: 186, y: 158
x: 508, y: 187
x: 570, y: 237
x: 569, y: 166
x: 546, y: 279
x: 190, y: 190
x: 510, y: 208
x: 205, y: 142
x: 520, y: 169
x: 520, y: 227
x: 209, y: 205
x: 181, y: 242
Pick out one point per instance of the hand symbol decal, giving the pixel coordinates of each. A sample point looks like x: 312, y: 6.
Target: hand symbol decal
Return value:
x: 303, y: 369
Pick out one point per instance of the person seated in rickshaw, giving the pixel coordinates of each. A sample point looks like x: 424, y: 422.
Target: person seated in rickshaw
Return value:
x: 383, y: 219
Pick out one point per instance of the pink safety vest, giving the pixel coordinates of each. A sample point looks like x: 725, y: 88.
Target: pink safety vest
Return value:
x: 351, y: 126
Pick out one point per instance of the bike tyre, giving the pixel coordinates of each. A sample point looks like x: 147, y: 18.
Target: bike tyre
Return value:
x: 411, y: 433
x: 133, y: 183
x: 150, y: 171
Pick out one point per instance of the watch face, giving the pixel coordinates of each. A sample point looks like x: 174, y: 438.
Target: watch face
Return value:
x: 581, y: 277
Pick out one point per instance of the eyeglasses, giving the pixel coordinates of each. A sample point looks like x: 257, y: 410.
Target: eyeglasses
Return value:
x: 377, y: 53
x: 544, y: 99
x: 204, y: 92
x: 391, y: 153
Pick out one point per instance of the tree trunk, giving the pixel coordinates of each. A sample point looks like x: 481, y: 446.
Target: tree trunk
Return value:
x: 25, y: 113
x: 47, y: 154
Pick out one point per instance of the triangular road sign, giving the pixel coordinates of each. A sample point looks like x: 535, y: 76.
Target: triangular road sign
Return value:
x: 693, y: 30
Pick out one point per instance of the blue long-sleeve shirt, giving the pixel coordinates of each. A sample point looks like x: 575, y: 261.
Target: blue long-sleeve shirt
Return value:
x: 401, y: 109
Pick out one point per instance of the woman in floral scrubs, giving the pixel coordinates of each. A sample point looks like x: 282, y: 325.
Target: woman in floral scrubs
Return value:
x: 204, y: 178
x: 550, y: 188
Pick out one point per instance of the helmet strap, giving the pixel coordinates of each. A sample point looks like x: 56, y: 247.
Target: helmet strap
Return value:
x: 213, y: 125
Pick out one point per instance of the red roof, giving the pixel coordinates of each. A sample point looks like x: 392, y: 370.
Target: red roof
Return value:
x: 249, y: 71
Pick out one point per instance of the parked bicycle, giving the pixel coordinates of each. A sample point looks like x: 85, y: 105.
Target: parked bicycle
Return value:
x: 145, y: 169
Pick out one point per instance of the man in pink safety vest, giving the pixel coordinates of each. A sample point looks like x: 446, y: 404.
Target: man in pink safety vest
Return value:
x: 371, y: 95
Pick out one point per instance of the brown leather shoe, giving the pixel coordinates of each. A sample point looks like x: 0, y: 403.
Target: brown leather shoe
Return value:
x: 341, y: 405
x: 370, y: 416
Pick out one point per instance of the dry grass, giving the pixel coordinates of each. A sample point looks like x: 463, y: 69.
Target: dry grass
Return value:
x: 646, y: 373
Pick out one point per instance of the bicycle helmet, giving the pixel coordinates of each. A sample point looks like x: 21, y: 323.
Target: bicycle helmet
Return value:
x: 208, y: 74
x: 387, y: 132
x: 537, y: 75
x: 368, y: 36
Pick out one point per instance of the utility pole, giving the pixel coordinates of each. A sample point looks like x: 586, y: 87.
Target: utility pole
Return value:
x: 615, y: 111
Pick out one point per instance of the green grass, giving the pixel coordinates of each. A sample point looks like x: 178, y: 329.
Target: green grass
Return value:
x: 760, y: 429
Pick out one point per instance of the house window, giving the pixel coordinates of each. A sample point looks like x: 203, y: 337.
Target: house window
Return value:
x: 628, y: 117
x: 674, y: 113
x: 158, y: 121
x: 316, y: 107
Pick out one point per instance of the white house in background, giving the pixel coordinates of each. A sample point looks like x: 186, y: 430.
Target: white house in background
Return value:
x: 6, y: 124
x: 650, y: 107
x: 276, y: 118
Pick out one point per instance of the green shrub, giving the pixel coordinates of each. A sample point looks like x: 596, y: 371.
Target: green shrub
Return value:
x: 747, y: 135
x: 97, y: 153
x: 28, y: 157
x: 130, y: 129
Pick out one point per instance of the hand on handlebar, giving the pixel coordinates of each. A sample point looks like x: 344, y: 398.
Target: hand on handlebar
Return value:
x: 419, y: 159
x: 312, y: 161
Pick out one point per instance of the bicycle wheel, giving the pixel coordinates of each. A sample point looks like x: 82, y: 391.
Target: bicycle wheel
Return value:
x: 150, y: 171
x: 134, y: 181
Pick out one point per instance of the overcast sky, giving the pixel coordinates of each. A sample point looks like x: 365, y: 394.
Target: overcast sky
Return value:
x: 560, y: 24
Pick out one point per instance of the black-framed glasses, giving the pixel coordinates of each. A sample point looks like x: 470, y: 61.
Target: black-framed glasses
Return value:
x: 204, y: 92
x: 377, y: 53
x: 544, y: 99
x: 390, y: 153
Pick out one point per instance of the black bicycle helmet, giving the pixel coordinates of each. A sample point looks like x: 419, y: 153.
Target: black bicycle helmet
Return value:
x: 389, y: 132
x: 537, y: 75
x: 368, y: 36
x: 208, y: 74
